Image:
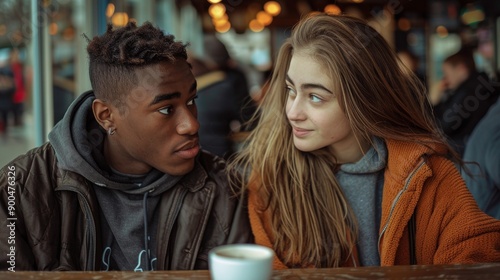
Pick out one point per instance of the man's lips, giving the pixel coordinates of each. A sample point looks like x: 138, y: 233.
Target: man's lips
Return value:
x: 188, y: 150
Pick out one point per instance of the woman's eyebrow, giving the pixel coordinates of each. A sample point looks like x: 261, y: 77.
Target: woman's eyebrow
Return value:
x: 310, y: 85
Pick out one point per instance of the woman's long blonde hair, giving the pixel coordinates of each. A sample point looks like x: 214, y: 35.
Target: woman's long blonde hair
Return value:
x: 311, y: 221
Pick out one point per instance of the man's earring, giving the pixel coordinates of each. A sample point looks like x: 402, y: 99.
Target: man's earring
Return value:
x: 111, y: 131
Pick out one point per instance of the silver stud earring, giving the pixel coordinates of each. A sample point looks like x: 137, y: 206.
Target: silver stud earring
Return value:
x: 111, y: 131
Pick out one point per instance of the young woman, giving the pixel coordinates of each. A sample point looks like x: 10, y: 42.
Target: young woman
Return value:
x: 346, y: 166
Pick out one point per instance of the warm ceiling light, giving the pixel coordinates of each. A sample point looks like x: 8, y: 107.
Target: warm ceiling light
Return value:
x: 332, y: 9
x: 119, y: 19
x: 264, y: 18
x: 110, y: 10
x: 358, y: 1
x: 217, y: 10
x: 214, y: 1
x: 220, y: 21
x: 223, y: 28
x: 442, y: 31
x: 273, y: 8
x: 255, y: 26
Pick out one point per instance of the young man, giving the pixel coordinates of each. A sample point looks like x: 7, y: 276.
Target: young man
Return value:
x: 122, y: 183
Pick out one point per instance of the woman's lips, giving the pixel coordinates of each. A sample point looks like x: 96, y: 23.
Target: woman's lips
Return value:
x: 299, y: 132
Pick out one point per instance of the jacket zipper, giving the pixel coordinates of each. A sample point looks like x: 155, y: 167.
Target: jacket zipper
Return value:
x: 90, y: 226
x: 396, y: 200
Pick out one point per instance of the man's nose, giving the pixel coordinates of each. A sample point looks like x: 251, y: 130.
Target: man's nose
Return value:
x: 189, y: 124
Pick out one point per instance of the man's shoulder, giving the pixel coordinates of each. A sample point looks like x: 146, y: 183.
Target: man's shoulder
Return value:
x: 216, y: 171
x: 36, y: 157
x: 211, y: 163
x: 34, y: 170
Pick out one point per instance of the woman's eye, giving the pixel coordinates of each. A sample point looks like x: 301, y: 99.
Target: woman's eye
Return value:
x: 191, y: 102
x: 315, y: 98
x: 166, y: 110
x: 290, y: 91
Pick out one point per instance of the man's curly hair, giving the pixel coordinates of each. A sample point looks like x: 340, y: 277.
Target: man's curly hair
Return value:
x: 115, y: 55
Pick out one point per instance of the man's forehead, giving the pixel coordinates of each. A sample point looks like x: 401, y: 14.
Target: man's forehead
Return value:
x: 163, y: 73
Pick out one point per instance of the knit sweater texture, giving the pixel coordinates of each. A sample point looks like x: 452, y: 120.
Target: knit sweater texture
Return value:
x: 450, y: 228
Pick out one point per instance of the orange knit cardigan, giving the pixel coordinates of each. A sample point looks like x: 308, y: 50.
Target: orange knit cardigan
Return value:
x: 450, y: 228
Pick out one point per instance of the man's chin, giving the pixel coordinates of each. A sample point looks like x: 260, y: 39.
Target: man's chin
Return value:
x: 179, y: 170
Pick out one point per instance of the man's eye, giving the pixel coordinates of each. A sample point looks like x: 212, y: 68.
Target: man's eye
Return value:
x: 191, y: 102
x: 166, y: 110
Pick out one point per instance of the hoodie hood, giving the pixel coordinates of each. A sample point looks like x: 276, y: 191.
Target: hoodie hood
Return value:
x: 78, y: 140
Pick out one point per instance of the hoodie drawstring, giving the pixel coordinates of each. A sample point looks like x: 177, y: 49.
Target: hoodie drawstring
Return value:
x: 146, y: 235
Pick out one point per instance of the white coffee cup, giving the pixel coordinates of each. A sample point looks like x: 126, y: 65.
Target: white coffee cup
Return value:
x: 241, y: 262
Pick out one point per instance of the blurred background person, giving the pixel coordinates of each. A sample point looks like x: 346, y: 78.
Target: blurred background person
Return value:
x: 224, y: 103
x: 464, y: 98
x: 7, y: 90
x: 482, y: 153
x: 19, y: 97
x: 411, y: 61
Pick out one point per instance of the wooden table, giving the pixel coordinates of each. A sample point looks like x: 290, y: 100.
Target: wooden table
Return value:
x: 475, y: 271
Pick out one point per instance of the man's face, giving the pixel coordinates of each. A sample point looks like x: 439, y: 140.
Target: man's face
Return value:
x: 454, y: 75
x: 158, y: 126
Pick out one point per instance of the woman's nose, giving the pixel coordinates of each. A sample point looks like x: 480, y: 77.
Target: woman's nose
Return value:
x: 295, y: 110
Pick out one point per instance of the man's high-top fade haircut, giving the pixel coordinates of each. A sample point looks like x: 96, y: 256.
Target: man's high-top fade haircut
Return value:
x: 115, y: 55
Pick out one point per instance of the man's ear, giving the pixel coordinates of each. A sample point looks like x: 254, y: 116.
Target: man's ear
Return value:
x: 103, y: 113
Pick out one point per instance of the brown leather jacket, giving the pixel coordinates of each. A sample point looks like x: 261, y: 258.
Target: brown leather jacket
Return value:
x: 53, y: 219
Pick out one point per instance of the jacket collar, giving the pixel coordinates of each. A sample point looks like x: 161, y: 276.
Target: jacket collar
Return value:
x: 404, y: 157
x: 195, y: 180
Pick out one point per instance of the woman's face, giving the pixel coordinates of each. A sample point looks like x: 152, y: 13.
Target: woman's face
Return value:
x: 313, y: 110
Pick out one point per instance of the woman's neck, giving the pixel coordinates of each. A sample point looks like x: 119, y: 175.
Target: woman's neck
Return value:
x: 352, y: 153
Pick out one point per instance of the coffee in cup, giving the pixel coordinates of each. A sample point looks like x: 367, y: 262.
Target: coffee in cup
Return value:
x: 241, y: 261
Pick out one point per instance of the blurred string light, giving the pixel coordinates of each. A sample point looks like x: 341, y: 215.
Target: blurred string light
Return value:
x: 119, y: 19
x: 442, y: 31
x: 221, y: 24
x: 333, y: 9
x: 220, y: 19
x: 223, y: 28
x: 264, y: 18
x: 255, y: 26
x: 217, y: 10
x: 110, y: 10
x: 273, y: 8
